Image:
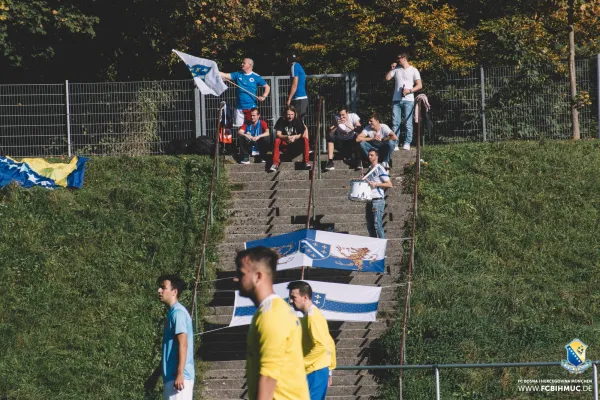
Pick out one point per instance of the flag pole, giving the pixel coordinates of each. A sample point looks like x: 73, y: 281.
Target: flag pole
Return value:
x: 234, y: 84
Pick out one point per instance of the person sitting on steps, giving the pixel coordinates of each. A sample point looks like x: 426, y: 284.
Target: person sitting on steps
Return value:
x: 254, y: 137
x: 292, y: 135
x: 378, y: 136
x: 341, y: 135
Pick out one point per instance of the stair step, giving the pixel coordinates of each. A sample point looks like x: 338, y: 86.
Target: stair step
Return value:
x: 324, y: 220
x: 335, y: 390
x: 341, y: 201
x: 247, y: 227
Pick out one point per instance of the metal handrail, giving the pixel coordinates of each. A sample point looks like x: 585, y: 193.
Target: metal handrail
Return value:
x: 411, y: 258
x: 313, y: 173
x: 436, y: 369
x: 207, y: 220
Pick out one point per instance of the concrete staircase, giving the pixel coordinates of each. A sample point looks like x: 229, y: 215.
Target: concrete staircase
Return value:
x: 267, y: 204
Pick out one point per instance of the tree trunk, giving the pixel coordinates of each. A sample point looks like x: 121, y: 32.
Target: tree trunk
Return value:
x: 572, y: 74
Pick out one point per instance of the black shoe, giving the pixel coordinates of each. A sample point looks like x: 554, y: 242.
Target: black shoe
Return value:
x: 329, y: 166
x: 245, y: 160
x: 307, y: 166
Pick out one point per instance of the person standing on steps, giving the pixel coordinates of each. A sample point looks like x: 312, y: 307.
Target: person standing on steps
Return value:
x: 378, y: 180
x: 408, y: 81
x: 274, y: 361
x: 248, y: 82
x: 178, y: 342
x: 297, y: 96
x: 317, y: 344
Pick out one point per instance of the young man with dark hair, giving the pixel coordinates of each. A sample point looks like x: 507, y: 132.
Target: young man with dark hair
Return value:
x: 408, y: 81
x: 297, y: 96
x: 178, y: 342
x: 378, y: 136
x: 378, y: 180
x: 317, y: 344
x: 341, y: 135
x: 291, y: 133
x: 254, y: 137
x: 274, y: 365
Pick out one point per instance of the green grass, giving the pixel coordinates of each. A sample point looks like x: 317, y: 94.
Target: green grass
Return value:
x: 79, y: 313
x: 507, y: 267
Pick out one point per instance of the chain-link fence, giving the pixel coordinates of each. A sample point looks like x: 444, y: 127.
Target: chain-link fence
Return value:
x: 498, y: 103
x: 132, y: 118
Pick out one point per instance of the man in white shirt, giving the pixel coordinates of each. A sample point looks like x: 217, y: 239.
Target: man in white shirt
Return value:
x: 342, y: 134
x: 378, y: 136
x: 378, y: 180
x: 408, y: 81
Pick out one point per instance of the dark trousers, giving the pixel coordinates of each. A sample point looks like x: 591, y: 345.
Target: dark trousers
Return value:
x: 263, y: 144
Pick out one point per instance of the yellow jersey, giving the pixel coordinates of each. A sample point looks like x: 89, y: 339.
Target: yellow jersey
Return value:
x: 318, y: 346
x: 274, y: 349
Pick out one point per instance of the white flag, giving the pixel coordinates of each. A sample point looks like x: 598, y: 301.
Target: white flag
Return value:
x: 337, y: 302
x: 205, y: 73
x: 320, y: 249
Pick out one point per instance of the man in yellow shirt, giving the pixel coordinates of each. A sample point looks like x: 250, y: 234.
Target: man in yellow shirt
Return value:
x: 317, y: 344
x: 274, y: 367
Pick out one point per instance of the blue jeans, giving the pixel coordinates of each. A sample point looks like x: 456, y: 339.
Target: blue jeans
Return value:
x: 374, y: 214
x: 403, y: 108
x: 384, y: 147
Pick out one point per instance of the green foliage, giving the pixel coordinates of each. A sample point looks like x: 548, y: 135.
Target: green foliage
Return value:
x: 80, y: 317
x: 30, y: 29
x: 507, y: 255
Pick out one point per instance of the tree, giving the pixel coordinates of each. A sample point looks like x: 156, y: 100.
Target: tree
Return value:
x: 31, y: 29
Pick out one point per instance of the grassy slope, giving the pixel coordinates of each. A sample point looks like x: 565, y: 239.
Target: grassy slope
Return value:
x: 507, y: 266
x: 79, y: 314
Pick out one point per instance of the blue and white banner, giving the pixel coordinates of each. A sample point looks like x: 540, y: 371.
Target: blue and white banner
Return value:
x: 337, y: 301
x: 205, y: 73
x: 320, y: 249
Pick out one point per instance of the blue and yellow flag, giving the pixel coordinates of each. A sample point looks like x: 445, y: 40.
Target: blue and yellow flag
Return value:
x: 31, y: 172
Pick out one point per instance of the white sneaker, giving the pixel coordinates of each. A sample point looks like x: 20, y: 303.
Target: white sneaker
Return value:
x: 385, y: 165
x: 406, y: 146
x: 396, y: 148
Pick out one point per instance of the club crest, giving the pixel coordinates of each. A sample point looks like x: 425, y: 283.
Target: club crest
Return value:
x: 199, y: 71
x: 318, y: 299
x: 575, y: 362
x: 314, y: 249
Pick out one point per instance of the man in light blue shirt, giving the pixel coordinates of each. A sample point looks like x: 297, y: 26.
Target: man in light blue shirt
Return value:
x: 178, y: 342
x: 297, y: 96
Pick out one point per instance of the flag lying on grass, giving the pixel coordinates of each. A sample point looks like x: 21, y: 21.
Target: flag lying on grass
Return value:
x: 337, y: 301
x: 320, y: 249
x: 31, y: 172
x: 205, y: 73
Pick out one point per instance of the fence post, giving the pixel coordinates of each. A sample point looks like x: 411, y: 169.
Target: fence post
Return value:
x: 68, y: 114
x: 275, y: 102
x: 595, y: 380
x: 437, y: 383
x: 483, y: 102
x: 203, y: 114
x: 197, y: 116
x: 598, y: 90
x: 354, y: 90
x: 347, y: 80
